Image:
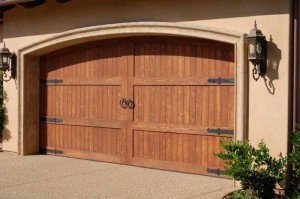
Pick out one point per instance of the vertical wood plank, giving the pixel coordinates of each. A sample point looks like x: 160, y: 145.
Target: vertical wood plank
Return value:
x: 157, y: 55
x: 205, y: 106
x: 218, y: 106
x: 174, y: 146
x: 174, y: 104
x: 141, y: 103
x: 162, y: 146
x: 204, y: 147
x: 104, y: 140
x: 198, y: 149
x: 157, y: 104
x: 168, y: 146
x: 168, y: 104
x: 141, y: 144
x: 108, y: 140
x: 191, y: 147
x: 169, y: 60
x: 180, y: 149
x: 146, y: 144
x: 137, y: 103
x: 186, y: 148
x: 186, y: 105
x: 151, y: 145
x: 225, y: 105
x: 156, y: 145
x: 217, y: 149
x: 152, y: 104
x: 210, y: 150
x: 163, y: 92
x: 137, y: 59
x: 163, y: 65
x: 192, y: 105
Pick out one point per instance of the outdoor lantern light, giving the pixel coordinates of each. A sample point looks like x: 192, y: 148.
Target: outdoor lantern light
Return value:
x: 257, y: 52
x: 8, y: 62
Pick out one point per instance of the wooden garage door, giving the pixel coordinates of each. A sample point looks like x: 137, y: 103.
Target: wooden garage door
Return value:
x: 183, y: 94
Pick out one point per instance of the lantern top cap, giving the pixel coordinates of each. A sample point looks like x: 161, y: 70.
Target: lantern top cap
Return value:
x: 4, y: 50
x: 255, y: 32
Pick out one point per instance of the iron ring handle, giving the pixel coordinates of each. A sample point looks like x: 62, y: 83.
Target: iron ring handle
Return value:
x: 123, y: 103
x: 130, y: 104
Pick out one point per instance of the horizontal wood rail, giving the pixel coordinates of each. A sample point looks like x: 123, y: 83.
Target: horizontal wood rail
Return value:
x: 89, y: 155
x: 91, y: 123
x: 107, y: 81
x: 177, y: 128
x: 178, y: 81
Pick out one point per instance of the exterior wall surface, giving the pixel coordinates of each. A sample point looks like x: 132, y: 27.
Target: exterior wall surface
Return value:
x: 268, y: 98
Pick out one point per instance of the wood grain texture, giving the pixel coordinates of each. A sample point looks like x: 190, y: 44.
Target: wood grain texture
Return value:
x: 166, y: 78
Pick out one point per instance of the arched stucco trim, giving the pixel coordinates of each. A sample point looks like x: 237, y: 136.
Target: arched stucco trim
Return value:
x: 29, y: 60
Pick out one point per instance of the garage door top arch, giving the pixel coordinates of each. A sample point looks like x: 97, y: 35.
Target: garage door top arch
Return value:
x: 82, y: 35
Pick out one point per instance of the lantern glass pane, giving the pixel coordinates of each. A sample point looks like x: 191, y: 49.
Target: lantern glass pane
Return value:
x: 259, y: 48
x: 4, y: 61
x: 252, y: 49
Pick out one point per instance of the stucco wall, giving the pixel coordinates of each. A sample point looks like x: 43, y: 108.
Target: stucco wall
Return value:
x: 268, y: 102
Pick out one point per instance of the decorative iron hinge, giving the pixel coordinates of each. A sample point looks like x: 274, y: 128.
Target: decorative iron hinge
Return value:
x: 215, y: 171
x: 220, y: 131
x: 221, y: 80
x: 54, y: 151
x: 52, y: 120
x: 52, y: 81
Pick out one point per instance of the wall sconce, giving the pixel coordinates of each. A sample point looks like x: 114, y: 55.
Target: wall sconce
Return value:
x: 8, y: 62
x: 257, y: 52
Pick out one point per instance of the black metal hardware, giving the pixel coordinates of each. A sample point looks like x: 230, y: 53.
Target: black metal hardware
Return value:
x: 52, y: 81
x: 54, y: 151
x: 32, y: 4
x: 123, y: 103
x: 221, y: 80
x: 127, y: 103
x: 257, y: 53
x: 220, y: 131
x: 215, y: 171
x: 51, y: 120
x: 62, y: 1
x: 130, y: 103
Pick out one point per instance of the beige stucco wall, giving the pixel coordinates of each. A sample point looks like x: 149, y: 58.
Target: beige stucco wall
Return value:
x: 268, y: 110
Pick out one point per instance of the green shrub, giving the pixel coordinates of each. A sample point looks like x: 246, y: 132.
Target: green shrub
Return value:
x: 244, y: 194
x: 255, y: 168
x: 294, y: 156
x: 294, y: 195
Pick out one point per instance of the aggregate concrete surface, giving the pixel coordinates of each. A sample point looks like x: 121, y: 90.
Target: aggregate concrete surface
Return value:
x: 45, y: 176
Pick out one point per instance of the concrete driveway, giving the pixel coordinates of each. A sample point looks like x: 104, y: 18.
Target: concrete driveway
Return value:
x: 45, y: 176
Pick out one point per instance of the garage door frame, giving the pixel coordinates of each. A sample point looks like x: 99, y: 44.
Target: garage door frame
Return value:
x: 28, y: 74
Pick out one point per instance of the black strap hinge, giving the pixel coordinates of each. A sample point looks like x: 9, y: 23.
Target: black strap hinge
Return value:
x: 54, y: 151
x: 51, y: 120
x: 215, y: 171
x: 220, y: 131
x: 221, y: 80
x: 52, y: 81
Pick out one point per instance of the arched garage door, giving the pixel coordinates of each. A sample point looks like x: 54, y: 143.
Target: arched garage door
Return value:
x: 178, y: 102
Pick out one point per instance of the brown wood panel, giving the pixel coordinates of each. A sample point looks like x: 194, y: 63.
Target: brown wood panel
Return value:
x: 174, y: 103
x: 87, y: 104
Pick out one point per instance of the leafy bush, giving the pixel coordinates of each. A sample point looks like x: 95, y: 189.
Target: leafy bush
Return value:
x: 294, y: 156
x: 244, y: 194
x: 294, y: 195
x: 255, y: 168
